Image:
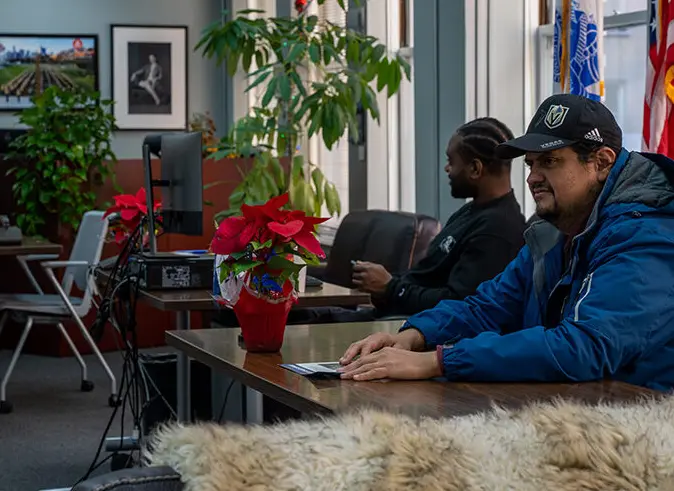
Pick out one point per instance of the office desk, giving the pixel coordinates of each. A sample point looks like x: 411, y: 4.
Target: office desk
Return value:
x: 30, y: 245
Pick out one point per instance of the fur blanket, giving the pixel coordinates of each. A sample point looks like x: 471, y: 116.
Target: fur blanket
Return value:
x: 561, y: 446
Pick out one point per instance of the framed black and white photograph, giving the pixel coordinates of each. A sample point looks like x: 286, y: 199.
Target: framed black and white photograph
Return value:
x: 149, y: 77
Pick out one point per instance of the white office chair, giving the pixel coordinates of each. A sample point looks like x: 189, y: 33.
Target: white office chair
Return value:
x: 54, y: 308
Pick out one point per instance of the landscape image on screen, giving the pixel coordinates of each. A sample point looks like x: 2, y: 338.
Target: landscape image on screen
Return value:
x: 31, y: 64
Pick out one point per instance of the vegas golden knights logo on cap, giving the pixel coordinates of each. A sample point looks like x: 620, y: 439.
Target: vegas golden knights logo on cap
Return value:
x: 555, y: 116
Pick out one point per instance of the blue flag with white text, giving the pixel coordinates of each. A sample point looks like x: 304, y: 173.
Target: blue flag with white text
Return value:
x: 578, y: 48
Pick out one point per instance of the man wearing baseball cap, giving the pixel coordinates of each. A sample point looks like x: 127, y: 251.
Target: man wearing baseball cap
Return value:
x: 590, y: 295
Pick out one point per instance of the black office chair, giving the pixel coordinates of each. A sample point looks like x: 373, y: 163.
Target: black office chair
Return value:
x: 396, y: 240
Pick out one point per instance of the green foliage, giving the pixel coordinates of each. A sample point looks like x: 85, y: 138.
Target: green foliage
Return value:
x: 305, y: 184
x: 277, y: 267
x: 66, y: 147
x: 351, y: 69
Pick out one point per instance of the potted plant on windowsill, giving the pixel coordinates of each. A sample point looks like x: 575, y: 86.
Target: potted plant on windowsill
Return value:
x: 255, y: 271
x: 58, y: 163
x: 316, y: 76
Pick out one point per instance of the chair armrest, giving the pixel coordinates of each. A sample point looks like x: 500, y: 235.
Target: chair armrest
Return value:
x: 63, y: 264
x: 158, y: 478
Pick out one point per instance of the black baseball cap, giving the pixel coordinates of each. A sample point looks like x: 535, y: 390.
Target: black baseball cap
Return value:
x: 563, y: 120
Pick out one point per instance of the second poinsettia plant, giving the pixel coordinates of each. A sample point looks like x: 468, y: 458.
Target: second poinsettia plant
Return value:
x: 258, y: 250
x: 131, y: 210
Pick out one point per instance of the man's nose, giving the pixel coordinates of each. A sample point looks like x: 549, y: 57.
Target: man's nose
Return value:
x: 534, y: 176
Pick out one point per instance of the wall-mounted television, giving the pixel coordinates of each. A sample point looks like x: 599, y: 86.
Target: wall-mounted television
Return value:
x: 32, y: 62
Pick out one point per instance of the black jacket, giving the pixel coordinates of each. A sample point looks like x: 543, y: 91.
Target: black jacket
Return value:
x: 475, y: 245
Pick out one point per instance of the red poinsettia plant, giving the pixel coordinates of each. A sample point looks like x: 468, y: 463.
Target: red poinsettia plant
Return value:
x: 259, y: 247
x: 132, y: 208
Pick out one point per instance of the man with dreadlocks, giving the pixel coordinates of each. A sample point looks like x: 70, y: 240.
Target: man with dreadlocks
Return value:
x: 477, y: 242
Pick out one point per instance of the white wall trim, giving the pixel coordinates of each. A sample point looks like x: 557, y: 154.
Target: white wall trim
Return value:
x: 470, y: 69
x: 406, y: 138
x: 482, y: 30
x: 530, y: 92
x: 393, y: 110
x: 378, y: 178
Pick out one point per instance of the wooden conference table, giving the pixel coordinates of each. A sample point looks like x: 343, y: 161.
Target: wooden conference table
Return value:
x: 183, y: 302
x: 220, y: 350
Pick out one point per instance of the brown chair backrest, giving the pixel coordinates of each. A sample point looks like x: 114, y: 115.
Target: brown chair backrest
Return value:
x: 396, y: 240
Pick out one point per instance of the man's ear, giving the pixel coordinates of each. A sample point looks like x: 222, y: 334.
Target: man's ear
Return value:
x: 605, y: 158
x: 476, y: 168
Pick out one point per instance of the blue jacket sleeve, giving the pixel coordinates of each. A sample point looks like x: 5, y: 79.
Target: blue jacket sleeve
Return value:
x: 497, y: 307
x: 623, y: 308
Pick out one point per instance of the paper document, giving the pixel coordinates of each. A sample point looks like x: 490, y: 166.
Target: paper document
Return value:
x: 325, y: 369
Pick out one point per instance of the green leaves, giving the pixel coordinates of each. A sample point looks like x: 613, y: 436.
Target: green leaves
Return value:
x: 243, y: 266
x: 297, y: 53
x: 261, y: 78
x: 280, y: 262
x: 284, y: 87
x: 351, y: 67
x: 271, y: 92
x: 315, y: 52
x: 332, y: 199
x: 65, y: 152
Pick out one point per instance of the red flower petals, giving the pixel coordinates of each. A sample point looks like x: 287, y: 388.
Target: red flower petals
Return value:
x: 266, y: 222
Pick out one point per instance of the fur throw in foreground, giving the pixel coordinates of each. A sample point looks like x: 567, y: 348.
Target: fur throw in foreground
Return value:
x: 560, y: 446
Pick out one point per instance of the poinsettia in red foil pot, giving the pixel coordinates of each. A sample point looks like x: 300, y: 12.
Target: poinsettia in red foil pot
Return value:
x: 256, y: 271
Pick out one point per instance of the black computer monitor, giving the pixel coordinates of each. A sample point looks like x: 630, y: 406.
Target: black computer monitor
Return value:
x: 182, y: 204
x: 181, y: 182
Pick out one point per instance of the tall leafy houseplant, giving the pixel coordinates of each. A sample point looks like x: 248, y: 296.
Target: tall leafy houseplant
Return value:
x: 316, y: 77
x: 65, y: 151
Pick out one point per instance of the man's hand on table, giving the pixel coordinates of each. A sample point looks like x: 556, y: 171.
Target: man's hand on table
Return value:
x: 384, y: 355
x: 393, y: 363
x: 370, y: 277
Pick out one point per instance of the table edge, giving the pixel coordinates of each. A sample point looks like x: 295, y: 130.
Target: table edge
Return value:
x: 158, y: 303
x: 247, y: 378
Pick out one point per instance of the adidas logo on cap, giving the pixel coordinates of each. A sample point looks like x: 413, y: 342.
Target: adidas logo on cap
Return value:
x: 594, y: 136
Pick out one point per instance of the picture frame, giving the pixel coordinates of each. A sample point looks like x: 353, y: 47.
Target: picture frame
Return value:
x: 149, y: 77
x: 66, y: 60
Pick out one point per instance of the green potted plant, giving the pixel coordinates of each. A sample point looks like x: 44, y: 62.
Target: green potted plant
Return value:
x: 64, y: 154
x: 348, y: 69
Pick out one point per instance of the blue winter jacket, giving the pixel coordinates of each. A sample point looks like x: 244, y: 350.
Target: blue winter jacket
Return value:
x: 618, y: 319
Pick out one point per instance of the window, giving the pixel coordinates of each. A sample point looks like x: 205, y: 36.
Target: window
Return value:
x: 613, y: 7
x: 625, y: 56
x: 625, y: 76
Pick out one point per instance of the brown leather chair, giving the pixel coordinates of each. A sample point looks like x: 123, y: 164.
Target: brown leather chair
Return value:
x: 396, y: 240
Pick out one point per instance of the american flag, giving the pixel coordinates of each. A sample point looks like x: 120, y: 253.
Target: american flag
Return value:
x: 658, y: 118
